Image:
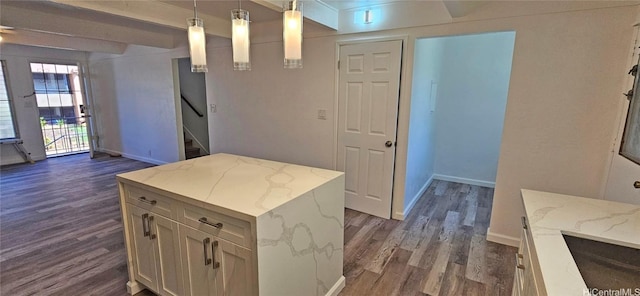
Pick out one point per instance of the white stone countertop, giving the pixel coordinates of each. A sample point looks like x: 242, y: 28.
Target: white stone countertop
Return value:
x: 245, y: 185
x: 550, y: 215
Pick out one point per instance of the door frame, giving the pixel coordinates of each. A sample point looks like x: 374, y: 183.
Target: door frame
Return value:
x: 178, y: 106
x: 623, y: 109
x: 402, y: 126
x: 87, y: 92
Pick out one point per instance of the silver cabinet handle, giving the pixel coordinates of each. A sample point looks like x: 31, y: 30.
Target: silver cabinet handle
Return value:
x: 524, y: 222
x: 144, y: 199
x: 214, y: 246
x: 145, y: 227
x: 204, y: 220
x: 205, y: 243
x: 151, y: 234
x: 518, y: 265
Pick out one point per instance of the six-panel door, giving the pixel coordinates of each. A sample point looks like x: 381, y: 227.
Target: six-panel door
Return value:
x: 368, y: 94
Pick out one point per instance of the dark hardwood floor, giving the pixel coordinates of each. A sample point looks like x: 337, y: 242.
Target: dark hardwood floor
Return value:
x: 61, y: 234
x: 440, y: 249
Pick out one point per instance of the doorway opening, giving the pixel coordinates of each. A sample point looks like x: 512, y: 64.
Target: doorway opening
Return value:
x: 193, y: 105
x: 61, y: 108
x: 458, y: 101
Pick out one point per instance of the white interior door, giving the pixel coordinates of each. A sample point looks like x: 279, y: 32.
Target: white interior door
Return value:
x: 368, y: 91
x: 624, y: 172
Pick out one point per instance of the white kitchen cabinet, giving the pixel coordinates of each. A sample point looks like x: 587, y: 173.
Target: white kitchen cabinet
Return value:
x: 168, y: 249
x: 142, y: 248
x: 214, y: 266
x: 156, y: 251
x: 237, y: 269
x: 228, y: 225
x: 525, y: 282
x: 200, y: 270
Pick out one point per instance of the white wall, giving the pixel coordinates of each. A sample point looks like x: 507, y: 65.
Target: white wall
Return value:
x: 17, y: 59
x: 472, y: 96
x: 559, y: 121
x: 563, y: 99
x: 427, y: 64
x: 193, y: 87
x: 271, y: 112
x: 134, y: 95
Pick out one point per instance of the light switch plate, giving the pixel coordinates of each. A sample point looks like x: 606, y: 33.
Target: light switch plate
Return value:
x: 322, y: 114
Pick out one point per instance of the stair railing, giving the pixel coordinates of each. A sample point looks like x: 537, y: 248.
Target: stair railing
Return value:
x: 191, y: 105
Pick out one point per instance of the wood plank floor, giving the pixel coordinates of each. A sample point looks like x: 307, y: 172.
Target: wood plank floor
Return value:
x: 440, y: 249
x: 61, y: 234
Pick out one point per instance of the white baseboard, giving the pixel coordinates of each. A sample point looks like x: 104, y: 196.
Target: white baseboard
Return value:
x: 465, y: 180
x: 337, y: 287
x: 412, y: 203
x: 502, y: 239
x: 134, y: 157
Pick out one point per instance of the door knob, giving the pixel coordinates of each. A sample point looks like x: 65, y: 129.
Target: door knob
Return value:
x: 388, y: 143
x: 636, y: 184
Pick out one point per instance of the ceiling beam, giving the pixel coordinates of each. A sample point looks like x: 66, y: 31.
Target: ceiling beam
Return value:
x: 39, y: 39
x: 313, y: 10
x: 55, y: 21
x: 154, y: 12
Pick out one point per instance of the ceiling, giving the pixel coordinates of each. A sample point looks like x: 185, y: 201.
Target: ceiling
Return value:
x: 222, y: 9
x: 110, y: 25
x: 350, y: 4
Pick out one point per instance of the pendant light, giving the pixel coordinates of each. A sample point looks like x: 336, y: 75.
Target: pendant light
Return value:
x: 292, y: 35
x: 197, y: 42
x: 240, y: 38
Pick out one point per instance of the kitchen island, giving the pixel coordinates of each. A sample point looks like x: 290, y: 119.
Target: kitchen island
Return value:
x: 233, y: 225
x: 545, y: 264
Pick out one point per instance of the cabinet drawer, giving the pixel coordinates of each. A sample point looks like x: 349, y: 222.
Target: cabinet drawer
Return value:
x: 232, y: 229
x: 151, y: 201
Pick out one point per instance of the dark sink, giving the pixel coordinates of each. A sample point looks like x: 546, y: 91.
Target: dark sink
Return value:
x: 605, y: 266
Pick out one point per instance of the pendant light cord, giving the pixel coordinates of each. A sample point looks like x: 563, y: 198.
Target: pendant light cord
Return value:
x: 195, y: 11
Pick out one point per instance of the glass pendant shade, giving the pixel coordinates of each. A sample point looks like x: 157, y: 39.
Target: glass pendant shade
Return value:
x: 197, y: 45
x: 292, y: 35
x: 240, y: 39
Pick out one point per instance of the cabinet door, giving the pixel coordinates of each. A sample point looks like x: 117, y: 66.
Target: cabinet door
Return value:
x: 197, y: 262
x: 144, y: 256
x: 165, y: 233
x: 529, y: 286
x: 237, y: 269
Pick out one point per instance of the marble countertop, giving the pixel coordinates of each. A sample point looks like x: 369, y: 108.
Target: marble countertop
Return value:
x: 550, y: 215
x: 241, y: 184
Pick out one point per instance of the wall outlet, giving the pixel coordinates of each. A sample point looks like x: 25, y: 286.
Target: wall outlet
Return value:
x: 213, y: 108
x: 322, y: 114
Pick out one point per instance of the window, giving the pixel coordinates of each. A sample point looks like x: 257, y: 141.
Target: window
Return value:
x: 7, y: 126
x: 51, y: 82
